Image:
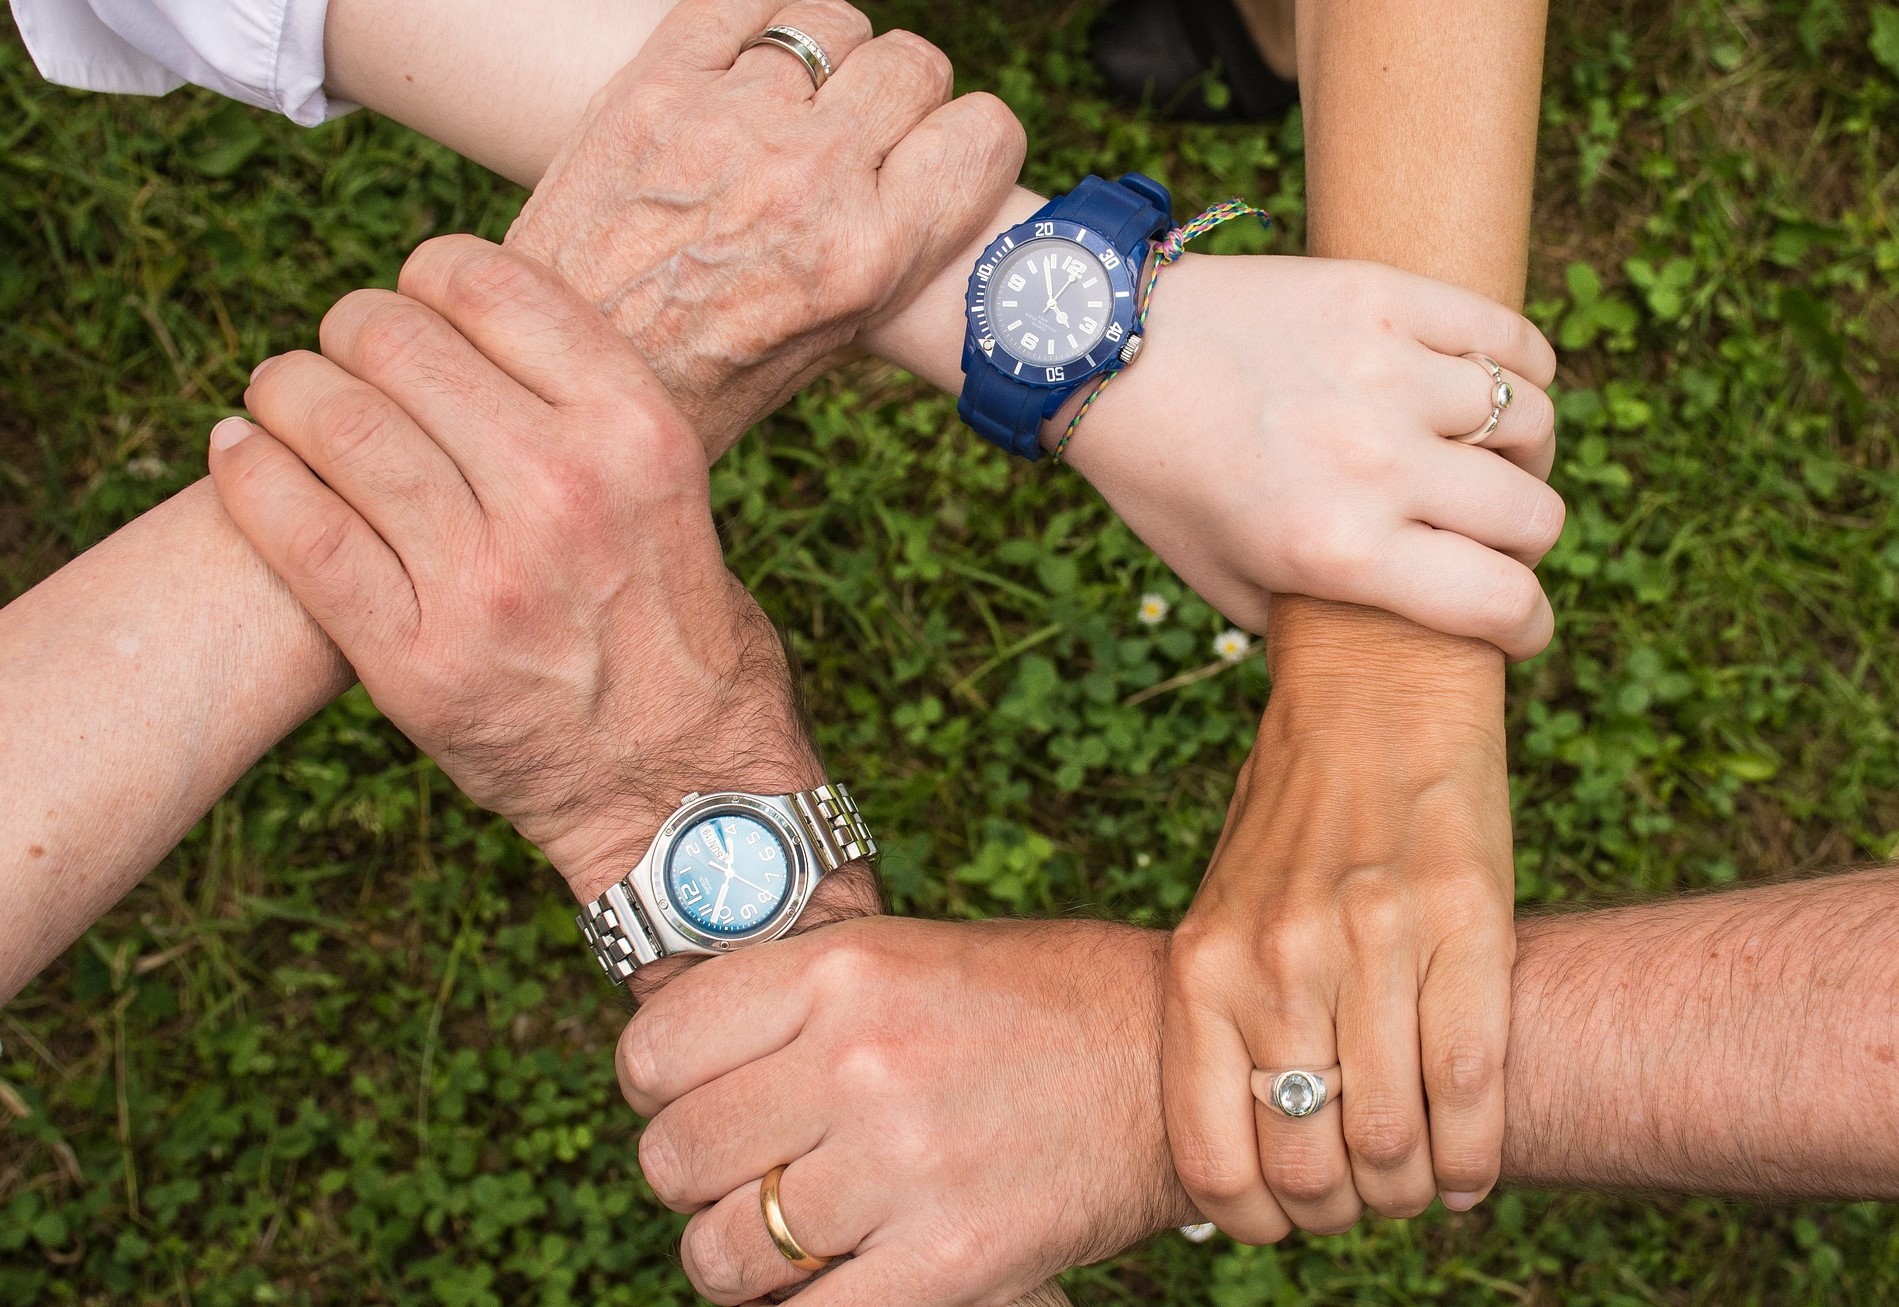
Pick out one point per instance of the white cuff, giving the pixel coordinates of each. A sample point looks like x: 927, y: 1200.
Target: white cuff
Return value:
x: 263, y: 52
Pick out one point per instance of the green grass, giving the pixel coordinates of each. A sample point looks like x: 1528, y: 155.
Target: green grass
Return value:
x: 344, y: 1045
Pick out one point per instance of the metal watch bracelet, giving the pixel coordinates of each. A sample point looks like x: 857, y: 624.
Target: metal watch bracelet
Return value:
x: 616, y: 926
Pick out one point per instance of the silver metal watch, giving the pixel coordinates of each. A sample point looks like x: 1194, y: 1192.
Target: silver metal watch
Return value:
x: 726, y: 870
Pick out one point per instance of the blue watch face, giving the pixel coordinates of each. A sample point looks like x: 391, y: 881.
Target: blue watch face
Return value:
x: 728, y: 874
x: 1050, y: 303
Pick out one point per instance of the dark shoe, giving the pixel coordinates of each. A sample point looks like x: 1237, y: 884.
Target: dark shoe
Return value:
x: 1168, y: 52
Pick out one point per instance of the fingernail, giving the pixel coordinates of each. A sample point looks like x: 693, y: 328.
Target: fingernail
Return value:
x: 258, y: 371
x: 1460, y: 1202
x: 229, y: 432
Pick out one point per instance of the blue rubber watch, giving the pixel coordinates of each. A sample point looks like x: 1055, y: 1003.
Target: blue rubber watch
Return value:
x: 1051, y: 306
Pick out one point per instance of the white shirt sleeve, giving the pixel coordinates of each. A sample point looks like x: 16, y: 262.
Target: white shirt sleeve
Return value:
x: 263, y: 52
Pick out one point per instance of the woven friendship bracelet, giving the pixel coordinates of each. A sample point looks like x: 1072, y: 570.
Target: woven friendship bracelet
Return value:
x: 1166, y: 250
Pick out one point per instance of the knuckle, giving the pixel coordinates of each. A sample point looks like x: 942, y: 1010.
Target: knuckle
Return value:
x: 848, y: 966
x: 1308, y: 1181
x: 392, y: 334
x: 1462, y: 1072
x: 1544, y: 523
x: 1364, y: 453
x: 847, y: 20
x: 1200, y: 957
x: 350, y: 423
x: 1289, y: 948
x: 504, y: 599
x: 712, y: 1262
x: 1376, y: 915
x: 923, y: 69
x: 993, y: 121
x: 659, y: 1162
x: 1465, y: 1173
x: 641, y: 1058
x: 872, y: 1067
x: 488, y: 283
x: 1512, y: 601
x: 575, y: 496
x: 1213, y: 1177
x: 1383, y: 1134
x: 1342, y: 552
x: 316, y: 543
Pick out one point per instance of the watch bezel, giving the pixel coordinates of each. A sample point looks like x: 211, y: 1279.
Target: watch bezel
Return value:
x: 798, y: 883
x: 1122, y: 275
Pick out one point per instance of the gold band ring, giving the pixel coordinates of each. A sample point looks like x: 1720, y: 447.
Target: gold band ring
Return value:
x: 779, y: 1231
x: 1501, y: 394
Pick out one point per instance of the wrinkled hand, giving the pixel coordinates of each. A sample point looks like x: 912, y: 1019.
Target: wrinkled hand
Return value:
x: 1283, y: 432
x: 966, y: 1108
x: 503, y: 521
x: 743, y: 227
x: 1357, y: 911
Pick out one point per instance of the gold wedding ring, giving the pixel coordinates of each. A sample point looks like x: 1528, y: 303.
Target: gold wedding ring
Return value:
x: 1500, y: 396
x: 779, y: 1231
x: 798, y: 44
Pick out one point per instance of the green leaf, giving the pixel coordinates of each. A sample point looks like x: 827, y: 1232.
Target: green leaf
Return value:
x: 1884, y: 42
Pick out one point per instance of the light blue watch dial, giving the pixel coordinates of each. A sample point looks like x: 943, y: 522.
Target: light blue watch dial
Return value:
x: 728, y: 875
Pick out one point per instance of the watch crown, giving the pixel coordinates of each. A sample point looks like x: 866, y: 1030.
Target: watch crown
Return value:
x: 1132, y: 348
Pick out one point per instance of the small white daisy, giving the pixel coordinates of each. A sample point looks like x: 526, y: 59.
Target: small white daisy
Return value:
x: 1198, y: 1233
x: 1232, y: 644
x: 1153, y: 610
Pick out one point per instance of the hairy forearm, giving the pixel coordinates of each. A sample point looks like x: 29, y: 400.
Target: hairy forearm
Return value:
x: 141, y: 681
x: 1739, y: 1044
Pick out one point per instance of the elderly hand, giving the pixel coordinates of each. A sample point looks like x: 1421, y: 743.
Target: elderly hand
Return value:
x: 1357, y: 912
x: 743, y: 226
x: 965, y: 1108
x: 502, y: 520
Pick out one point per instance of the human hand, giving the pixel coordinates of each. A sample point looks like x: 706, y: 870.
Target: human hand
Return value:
x: 511, y: 542
x: 1357, y: 912
x: 1283, y: 432
x: 740, y: 226
x: 956, y: 1110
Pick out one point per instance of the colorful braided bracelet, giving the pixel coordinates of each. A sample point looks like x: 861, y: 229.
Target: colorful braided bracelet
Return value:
x: 1166, y: 250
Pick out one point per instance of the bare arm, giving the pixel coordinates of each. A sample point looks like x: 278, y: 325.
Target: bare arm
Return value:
x: 141, y: 681
x: 1739, y: 1044
x: 1357, y: 910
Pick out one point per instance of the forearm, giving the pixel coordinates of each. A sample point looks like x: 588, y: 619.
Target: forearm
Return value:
x: 141, y: 681
x: 1739, y: 1045
x: 1420, y: 123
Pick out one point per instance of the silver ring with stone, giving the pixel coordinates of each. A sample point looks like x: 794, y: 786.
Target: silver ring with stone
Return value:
x: 1296, y: 1093
x: 797, y: 43
x: 1501, y: 394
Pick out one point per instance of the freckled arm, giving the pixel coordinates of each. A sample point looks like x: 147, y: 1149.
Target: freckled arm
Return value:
x: 124, y: 672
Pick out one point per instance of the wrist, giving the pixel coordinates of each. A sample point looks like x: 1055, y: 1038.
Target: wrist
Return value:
x: 600, y: 846
x: 925, y: 335
x: 1357, y: 661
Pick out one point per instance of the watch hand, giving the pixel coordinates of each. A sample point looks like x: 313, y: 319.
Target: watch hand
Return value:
x: 718, y: 904
x: 741, y: 880
x: 1048, y: 281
